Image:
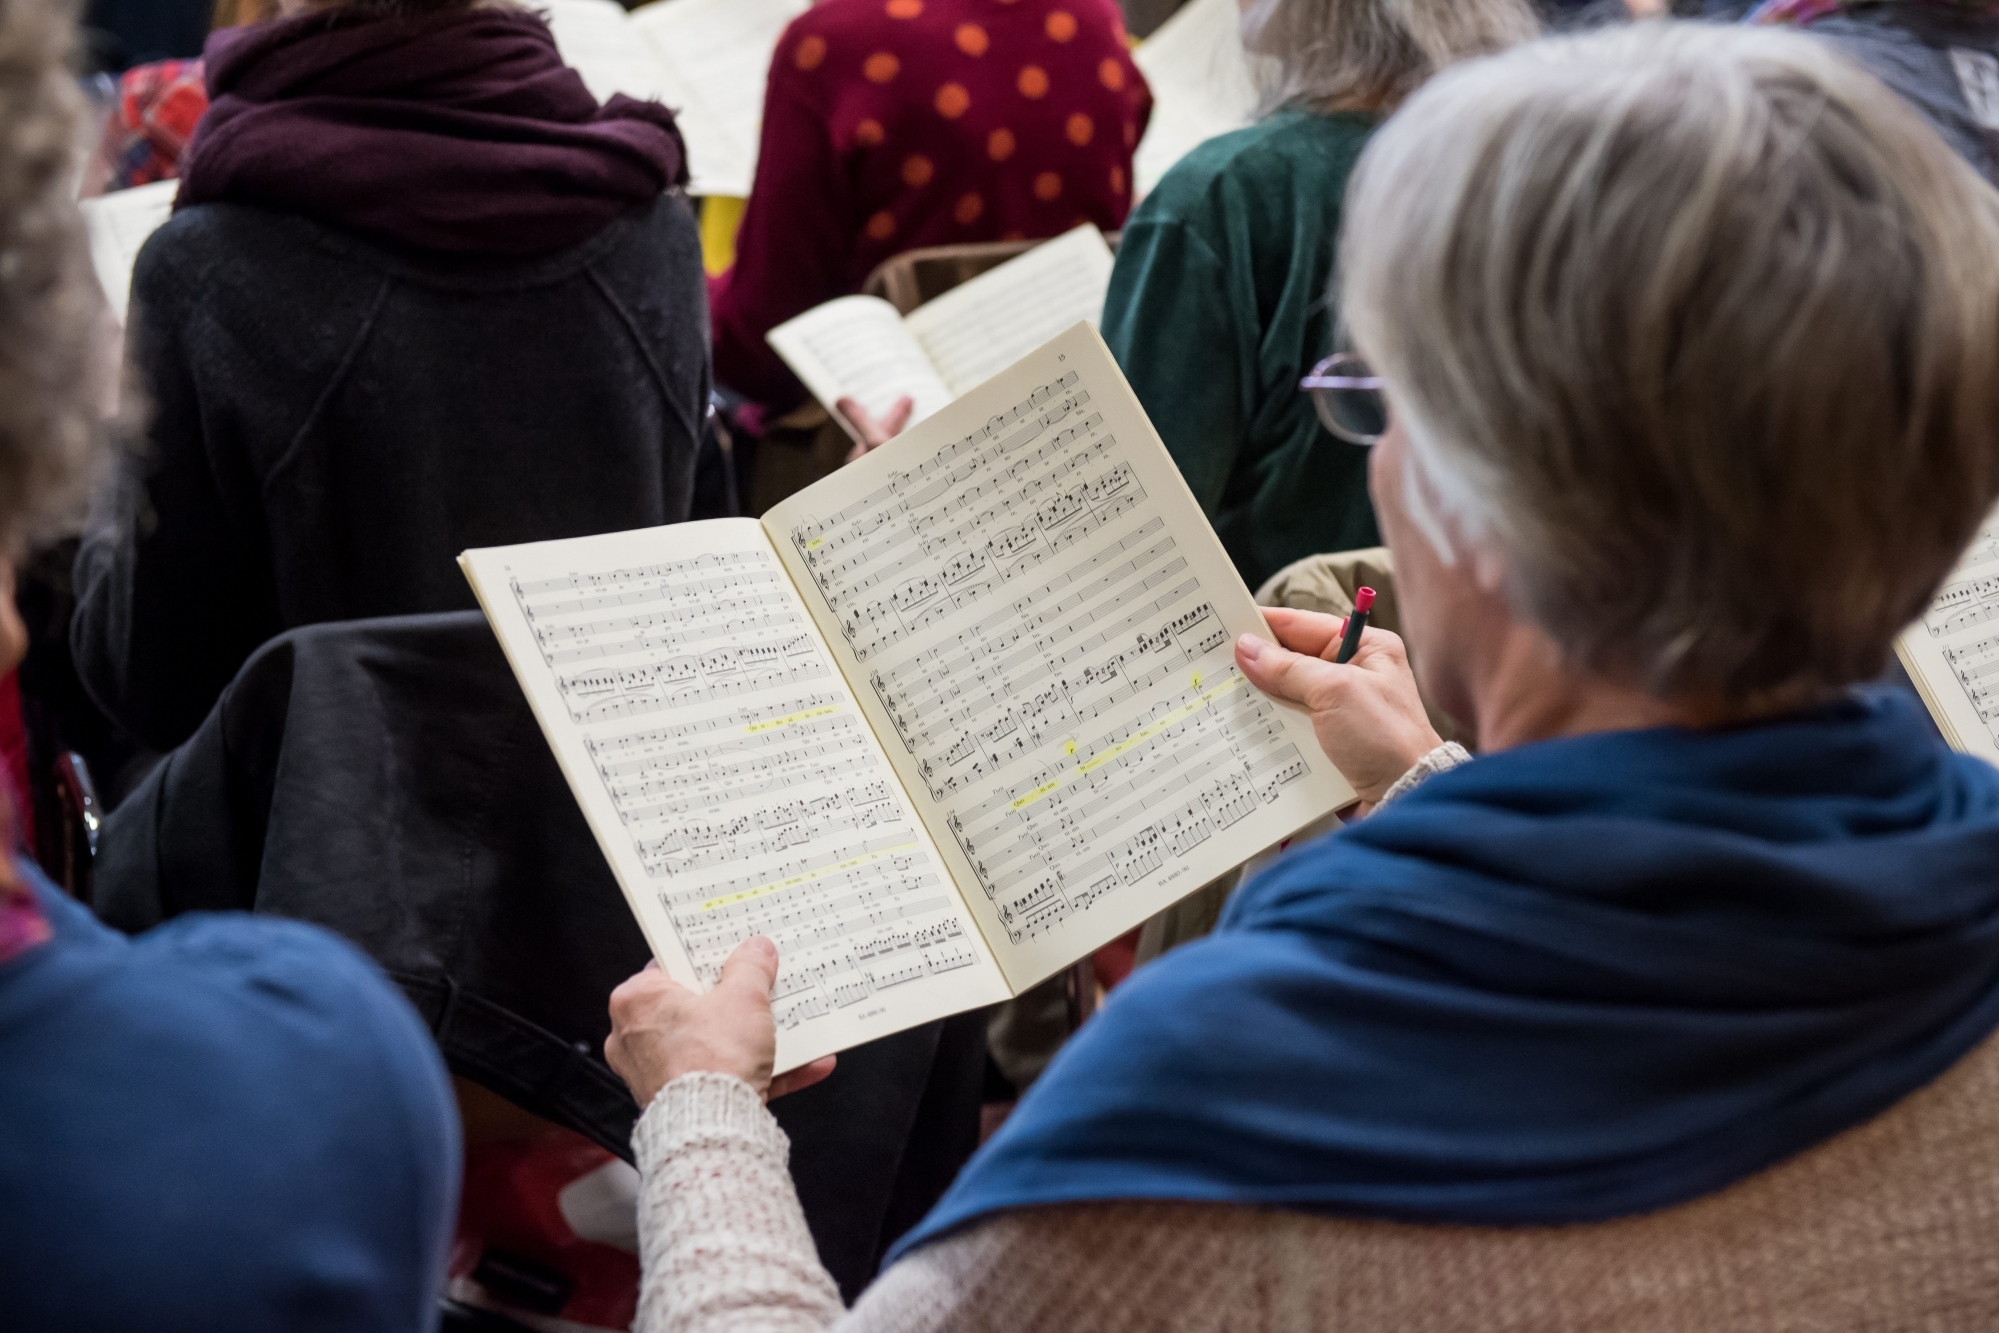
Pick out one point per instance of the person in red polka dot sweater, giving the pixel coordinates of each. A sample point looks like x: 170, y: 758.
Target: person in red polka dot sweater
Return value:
x: 895, y: 124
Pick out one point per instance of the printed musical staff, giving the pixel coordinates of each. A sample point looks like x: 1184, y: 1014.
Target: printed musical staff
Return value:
x: 1962, y: 621
x: 1047, y: 658
x: 748, y: 786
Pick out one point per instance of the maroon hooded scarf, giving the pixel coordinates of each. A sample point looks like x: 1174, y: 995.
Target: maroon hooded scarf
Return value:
x: 460, y: 132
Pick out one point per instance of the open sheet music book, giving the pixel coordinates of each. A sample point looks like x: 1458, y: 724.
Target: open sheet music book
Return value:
x: 1201, y: 86
x: 707, y: 59
x: 859, y: 346
x: 1952, y: 653
x: 939, y: 725
x: 118, y: 224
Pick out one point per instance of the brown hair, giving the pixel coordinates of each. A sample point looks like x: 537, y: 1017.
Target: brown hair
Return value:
x: 56, y: 338
x: 236, y: 13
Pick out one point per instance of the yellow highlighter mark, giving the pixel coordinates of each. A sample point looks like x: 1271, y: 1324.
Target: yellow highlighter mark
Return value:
x: 815, y: 543
x: 795, y: 880
x: 1172, y: 719
x: 1038, y: 793
x: 1125, y: 746
x: 790, y: 719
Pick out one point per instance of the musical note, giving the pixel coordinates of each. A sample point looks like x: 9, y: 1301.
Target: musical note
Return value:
x: 1047, y: 659
x: 747, y: 785
x: 1958, y: 629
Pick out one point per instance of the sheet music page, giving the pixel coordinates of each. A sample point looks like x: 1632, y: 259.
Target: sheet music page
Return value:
x: 597, y: 41
x: 1952, y: 653
x: 979, y: 328
x: 859, y: 346
x: 731, y: 781
x: 714, y: 57
x: 118, y: 224
x: 1201, y: 86
x: 1040, y: 623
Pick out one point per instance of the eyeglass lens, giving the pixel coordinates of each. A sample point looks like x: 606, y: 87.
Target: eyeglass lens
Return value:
x: 1352, y: 408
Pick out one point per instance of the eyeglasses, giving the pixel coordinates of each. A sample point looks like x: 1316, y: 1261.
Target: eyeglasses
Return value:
x: 1348, y: 398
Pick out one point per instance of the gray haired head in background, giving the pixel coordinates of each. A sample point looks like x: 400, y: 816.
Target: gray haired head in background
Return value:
x: 1345, y: 55
x: 1694, y: 335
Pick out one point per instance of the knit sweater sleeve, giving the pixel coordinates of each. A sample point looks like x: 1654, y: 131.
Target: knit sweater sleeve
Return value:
x: 724, y: 1246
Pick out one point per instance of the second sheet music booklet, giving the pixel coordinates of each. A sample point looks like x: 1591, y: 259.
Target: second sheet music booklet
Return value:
x: 938, y: 725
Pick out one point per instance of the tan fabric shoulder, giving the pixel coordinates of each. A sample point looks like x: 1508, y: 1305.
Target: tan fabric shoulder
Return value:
x: 1327, y: 583
x: 1893, y: 1225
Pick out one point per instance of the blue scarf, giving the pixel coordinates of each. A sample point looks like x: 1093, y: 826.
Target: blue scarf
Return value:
x: 1571, y: 981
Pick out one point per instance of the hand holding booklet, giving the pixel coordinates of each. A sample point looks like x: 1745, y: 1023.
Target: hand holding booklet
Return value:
x: 859, y: 347
x: 938, y: 725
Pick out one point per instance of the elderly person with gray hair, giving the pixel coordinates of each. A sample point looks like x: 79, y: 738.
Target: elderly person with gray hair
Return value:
x: 1218, y: 306
x: 1672, y: 1009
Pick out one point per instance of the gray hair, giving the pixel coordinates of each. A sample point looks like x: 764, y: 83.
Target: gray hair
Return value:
x: 1694, y: 335
x: 56, y: 338
x: 1342, y: 55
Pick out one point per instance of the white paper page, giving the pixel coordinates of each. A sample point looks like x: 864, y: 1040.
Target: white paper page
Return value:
x: 979, y: 328
x: 1201, y: 86
x: 714, y: 57
x: 1952, y: 653
x: 859, y: 346
x: 731, y: 782
x: 119, y: 224
x: 597, y: 41
x: 1041, y: 624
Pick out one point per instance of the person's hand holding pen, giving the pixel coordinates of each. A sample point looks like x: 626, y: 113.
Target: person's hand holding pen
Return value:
x: 1366, y: 712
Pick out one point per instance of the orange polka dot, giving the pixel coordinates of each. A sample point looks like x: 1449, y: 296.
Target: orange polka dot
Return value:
x: 1130, y: 134
x: 968, y: 210
x: 1033, y: 81
x: 1080, y: 129
x: 810, y: 53
x: 1117, y: 180
x: 952, y: 101
x: 882, y: 225
x: 905, y: 9
x: 869, y: 133
x: 1012, y: 235
x: 1000, y: 145
x: 1047, y: 186
x: 917, y: 171
x: 881, y: 67
x: 1061, y: 24
x: 972, y: 39
x: 1111, y: 74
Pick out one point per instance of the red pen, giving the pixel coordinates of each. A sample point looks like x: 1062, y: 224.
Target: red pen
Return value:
x: 1363, y: 602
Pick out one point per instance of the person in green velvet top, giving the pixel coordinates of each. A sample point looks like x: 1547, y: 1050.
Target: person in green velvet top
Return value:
x: 1219, y: 303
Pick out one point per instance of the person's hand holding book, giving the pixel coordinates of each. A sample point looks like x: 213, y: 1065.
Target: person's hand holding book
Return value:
x: 1367, y: 714
x: 661, y: 1030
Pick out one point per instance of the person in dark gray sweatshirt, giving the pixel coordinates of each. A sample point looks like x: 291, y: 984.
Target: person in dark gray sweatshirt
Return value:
x: 421, y: 293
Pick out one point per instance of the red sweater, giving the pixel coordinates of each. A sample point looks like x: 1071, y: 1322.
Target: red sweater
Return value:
x: 895, y: 124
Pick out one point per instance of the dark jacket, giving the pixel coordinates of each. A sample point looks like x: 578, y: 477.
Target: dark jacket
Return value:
x: 386, y: 779
x: 333, y: 422
x: 1944, y: 61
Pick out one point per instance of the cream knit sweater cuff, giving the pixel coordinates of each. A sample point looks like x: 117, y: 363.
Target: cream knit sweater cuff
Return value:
x: 697, y: 1109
